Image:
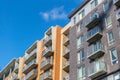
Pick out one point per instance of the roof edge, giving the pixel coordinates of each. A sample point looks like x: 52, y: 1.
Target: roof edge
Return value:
x: 78, y: 8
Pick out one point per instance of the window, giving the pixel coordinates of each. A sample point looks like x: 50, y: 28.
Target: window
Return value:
x: 114, y: 57
x: 81, y: 73
x: 81, y: 14
x: 106, y: 6
x: 80, y: 26
x: 94, y: 3
x: 81, y: 56
x: 80, y: 41
x: 110, y: 37
x: 74, y: 20
x: 108, y: 21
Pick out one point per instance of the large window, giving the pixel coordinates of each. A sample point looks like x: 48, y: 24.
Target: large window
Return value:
x: 79, y: 26
x: 94, y: 3
x: 74, y: 20
x: 81, y: 56
x: 108, y: 21
x: 110, y: 37
x: 81, y: 73
x: 106, y: 6
x: 80, y: 41
x: 114, y: 57
x: 81, y: 14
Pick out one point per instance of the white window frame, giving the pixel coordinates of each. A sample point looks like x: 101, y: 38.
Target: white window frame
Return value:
x: 111, y: 56
x: 106, y: 23
x: 110, y: 42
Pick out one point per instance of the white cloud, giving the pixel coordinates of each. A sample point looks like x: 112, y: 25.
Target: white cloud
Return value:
x: 54, y: 14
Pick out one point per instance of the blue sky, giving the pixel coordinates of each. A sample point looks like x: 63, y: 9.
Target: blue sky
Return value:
x: 22, y: 22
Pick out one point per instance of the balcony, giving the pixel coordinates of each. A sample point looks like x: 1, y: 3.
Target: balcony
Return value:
x: 93, y: 21
x: 16, y: 68
x: 66, y: 66
x: 94, y: 35
x: 116, y: 2
x: 97, y: 69
x: 47, y: 75
x: 47, y: 52
x: 48, y: 40
x: 15, y: 77
x: 66, y: 53
x: 30, y: 66
x: 31, y: 75
x: 118, y: 14
x: 66, y: 77
x: 95, y: 51
x: 66, y: 41
x: 46, y: 64
x: 30, y: 56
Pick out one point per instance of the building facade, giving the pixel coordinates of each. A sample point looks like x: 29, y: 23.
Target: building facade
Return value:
x: 94, y: 41
x: 87, y: 48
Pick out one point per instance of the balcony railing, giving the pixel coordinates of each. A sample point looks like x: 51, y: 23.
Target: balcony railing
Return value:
x: 31, y: 54
x: 46, y: 64
x: 118, y: 15
x: 66, y: 41
x: 48, y: 75
x: 31, y: 75
x: 94, y: 34
x: 66, y: 77
x: 66, y: 53
x: 95, y: 51
x: 116, y: 2
x: 30, y: 66
x: 93, y: 20
x: 48, y: 52
x: 66, y: 66
x: 16, y: 67
x: 96, y: 69
x: 48, y: 40
x: 15, y: 77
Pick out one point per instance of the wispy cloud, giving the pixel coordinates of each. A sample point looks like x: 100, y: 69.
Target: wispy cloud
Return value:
x: 54, y: 14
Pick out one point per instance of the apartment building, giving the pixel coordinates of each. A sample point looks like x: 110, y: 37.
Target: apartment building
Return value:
x: 94, y: 41
x: 50, y: 61
x: 40, y: 62
x: 87, y: 48
x: 65, y: 52
x: 11, y: 71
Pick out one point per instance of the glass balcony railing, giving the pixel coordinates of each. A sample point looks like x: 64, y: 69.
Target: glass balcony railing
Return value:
x: 48, y: 75
x: 47, y: 52
x: 29, y: 65
x: 93, y: 20
x: 15, y: 77
x: 16, y: 67
x: 31, y: 54
x: 46, y: 64
x: 116, y: 2
x: 95, y: 51
x: 118, y: 15
x: 48, y: 40
x: 94, y: 34
x: 96, y: 69
x: 31, y: 75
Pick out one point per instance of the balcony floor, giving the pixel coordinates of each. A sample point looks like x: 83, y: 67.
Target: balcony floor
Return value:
x: 94, y: 38
x: 96, y: 54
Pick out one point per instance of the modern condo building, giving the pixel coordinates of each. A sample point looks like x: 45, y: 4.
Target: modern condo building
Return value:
x: 87, y: 48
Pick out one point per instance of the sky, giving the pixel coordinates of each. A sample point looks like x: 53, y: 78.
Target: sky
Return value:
x: 22, y: 22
